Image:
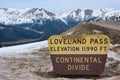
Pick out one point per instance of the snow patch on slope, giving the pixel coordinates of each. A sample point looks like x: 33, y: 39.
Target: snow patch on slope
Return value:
x: 112, y: 53
x: 25, y: 48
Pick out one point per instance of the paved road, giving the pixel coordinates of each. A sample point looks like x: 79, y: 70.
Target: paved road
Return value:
x: 112, y: 25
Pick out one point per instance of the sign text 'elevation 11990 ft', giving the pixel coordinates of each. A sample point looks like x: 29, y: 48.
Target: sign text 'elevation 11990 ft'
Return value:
x: 78, y: 54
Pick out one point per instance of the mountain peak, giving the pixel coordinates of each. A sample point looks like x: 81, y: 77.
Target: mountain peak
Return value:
x: 77, y: 11
x: 39, y: 12
x: 5, y: 9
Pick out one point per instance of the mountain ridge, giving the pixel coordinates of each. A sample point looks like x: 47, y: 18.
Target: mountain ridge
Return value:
x: 17, y: 16
x: 38, y: 23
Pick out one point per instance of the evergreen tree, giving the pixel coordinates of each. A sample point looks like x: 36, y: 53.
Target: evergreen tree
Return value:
x: 0, y: 45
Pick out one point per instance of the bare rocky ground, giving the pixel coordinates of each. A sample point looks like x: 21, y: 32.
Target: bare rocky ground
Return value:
x: 38, y: 66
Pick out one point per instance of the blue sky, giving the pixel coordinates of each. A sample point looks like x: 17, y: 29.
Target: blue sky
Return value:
x: 60, y: 5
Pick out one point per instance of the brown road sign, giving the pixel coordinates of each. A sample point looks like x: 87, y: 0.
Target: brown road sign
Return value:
x: 78, y: 54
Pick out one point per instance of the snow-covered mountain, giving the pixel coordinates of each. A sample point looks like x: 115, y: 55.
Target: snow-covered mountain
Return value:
x: 93, y: 15
x: 9, y: 15
x: 16, y: 24
x: 17, y: 16
x: 76, y: 15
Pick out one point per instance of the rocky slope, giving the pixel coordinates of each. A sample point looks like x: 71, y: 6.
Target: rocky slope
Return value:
x: 93, y: 28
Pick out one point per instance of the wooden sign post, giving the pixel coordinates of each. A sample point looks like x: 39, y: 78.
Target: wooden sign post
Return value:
x: 78, y: 54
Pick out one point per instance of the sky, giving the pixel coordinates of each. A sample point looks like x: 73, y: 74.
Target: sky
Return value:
x: 60, y: 5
